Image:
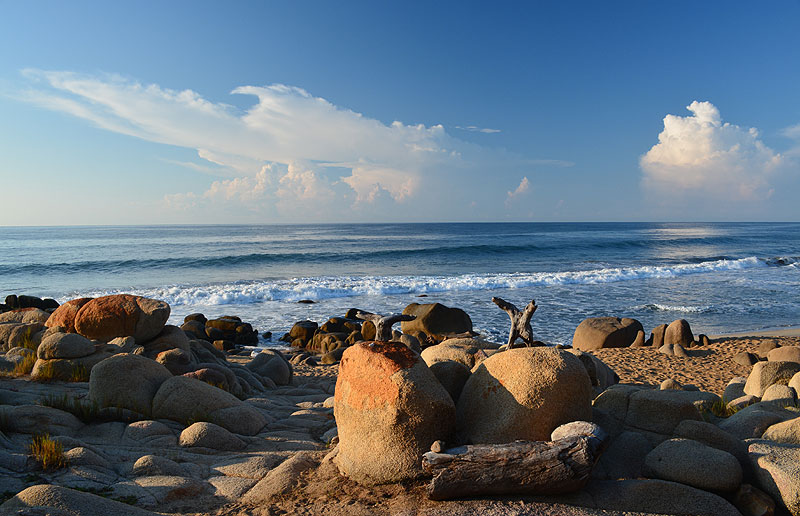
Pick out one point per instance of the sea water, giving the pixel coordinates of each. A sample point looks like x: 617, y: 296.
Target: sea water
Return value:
x: 721, y: 277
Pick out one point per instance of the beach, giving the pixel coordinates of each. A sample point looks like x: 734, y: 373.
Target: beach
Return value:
x: 242, y: 332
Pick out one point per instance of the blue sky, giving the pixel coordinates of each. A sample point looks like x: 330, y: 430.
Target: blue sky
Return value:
x: 227, y: 112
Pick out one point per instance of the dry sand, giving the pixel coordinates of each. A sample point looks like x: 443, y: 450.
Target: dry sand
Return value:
x: 710, y: 368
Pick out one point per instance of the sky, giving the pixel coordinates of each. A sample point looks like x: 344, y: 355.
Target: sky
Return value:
x: 316, y: 111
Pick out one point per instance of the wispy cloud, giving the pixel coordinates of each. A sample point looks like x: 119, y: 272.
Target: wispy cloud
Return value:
x: 476, y: 129
x: 700, y: 156
x: 288, y: 146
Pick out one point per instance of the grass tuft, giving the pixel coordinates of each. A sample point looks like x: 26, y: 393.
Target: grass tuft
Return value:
x: 86, y: 411
x: 79, y: 373
x: 25, y: 366
x: 47, y: 452
x: 721, y: 409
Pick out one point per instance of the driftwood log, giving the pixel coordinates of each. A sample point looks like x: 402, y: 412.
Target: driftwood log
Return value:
x: 383, y: 324
x: 520, y: 321
x: 522, y: 467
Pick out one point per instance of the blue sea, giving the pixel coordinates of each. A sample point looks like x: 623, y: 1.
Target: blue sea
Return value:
x: 721, y: 277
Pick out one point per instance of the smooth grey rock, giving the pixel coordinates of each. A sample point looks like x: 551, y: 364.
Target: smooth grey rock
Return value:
x: 693, y: 463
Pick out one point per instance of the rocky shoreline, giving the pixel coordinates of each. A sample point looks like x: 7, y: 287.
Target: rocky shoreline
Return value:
x: 134, y: 416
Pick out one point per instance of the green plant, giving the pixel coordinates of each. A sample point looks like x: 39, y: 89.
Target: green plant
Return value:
x: 25, y: 366
x: 79, y: 373
x: 48, y: 452
x: 46, y: 372
x: 26, y: 340
x: 86, y: 411
x: 720, y: 408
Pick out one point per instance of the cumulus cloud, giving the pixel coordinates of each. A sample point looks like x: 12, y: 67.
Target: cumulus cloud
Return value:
x: 700, y: 155
x: 522, y: 189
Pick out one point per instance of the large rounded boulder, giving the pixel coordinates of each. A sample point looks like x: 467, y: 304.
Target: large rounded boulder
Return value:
x: 464, y: 351
x: 605, y: 332
x: 678, y: 332
x: 65, y: 314
x: 523, y: 394
x: 436, y: 320
x: 389, y: 409
x: 127, y: 381
x: 122, y: 315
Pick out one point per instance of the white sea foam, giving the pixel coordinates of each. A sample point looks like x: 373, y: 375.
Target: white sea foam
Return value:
x: 656, y: 307
x: 328, y: 287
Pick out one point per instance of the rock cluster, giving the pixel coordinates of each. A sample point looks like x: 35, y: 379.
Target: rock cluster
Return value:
x: 226, y: 332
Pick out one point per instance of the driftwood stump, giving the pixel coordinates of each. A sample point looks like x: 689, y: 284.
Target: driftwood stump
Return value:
x: 520, y: 321
x: 383, y: 324
x: 522, y: 467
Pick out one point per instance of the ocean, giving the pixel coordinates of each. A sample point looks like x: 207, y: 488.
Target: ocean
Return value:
x: 721, y: 277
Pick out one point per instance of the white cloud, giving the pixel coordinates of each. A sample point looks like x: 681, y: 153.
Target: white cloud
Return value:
x: 290, y: 147
x: 476, y: 129
x: 522, y: 189
x: 700, y: 156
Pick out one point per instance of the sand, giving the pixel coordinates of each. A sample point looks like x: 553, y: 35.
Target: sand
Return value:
x: 710, y: 368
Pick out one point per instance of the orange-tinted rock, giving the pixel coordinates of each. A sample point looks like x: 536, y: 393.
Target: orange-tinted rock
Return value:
x: 122, y: 315
x: 389, y: 409
x: 64, y: 315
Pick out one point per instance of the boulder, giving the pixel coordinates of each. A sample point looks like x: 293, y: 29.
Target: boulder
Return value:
x: 65, y: 314
x: 794, y: 383
x: 777, y: 470
x: 452, y: 375
x: 45, y: 499
x: 679, y: 332
x: 121, y: 315
x: 68, y: 369
x: 523, y: 393
x: 657, y: 336
x: 692, y: 463
x: 150, y: 465
x: 389, y: 409
x: 639, y: 341
x: 195, y: 330
x: 436, y: 320
x: 188, y: 400
x: 767, y: 345
x: 657, y: 497
x: 742, y: 402
x: 745, y: 358
x: 600, y: 374
x: 784, y: 354
x: 65, y: 345
x: 170, y: 337
x: 209, y: 435
x: 786, y: 432
x: 753, y: 421
x: 734, y: 389
x: 36, y: 419
x: 303, y: 330
x: 765, y: 374
x: 127, y: 381
x: 25, y: 316
x: 661, y: 411
x: 271, y: 364
x: 282, y: 479
x: 13, y: 335
x: 605, y: 332
x: 177, y: 361
x: 670, y: 384
x: 464, y: 351
x: 711, y: 435
x: 210, y: 376
x: 23, y: 301
x: 780, y: 392
x: 624, y: 457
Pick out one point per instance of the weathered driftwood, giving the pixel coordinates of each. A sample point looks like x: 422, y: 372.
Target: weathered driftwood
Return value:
x: 521, y: 467
x: 383, y: 324
x: 520, y: 321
